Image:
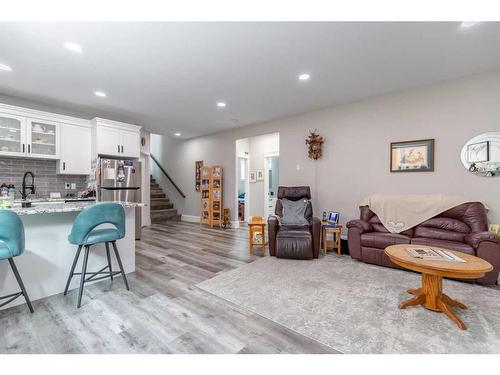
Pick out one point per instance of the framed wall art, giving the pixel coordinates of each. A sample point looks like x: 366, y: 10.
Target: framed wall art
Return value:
x: 478, y: 152
x: 412, y: 156
x: 252, y: 176
x: 260, y: 175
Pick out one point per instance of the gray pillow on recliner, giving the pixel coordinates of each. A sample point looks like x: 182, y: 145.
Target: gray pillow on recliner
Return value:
x: 294, y: 212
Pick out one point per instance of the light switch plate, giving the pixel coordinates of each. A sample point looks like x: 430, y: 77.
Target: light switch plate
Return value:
x: 73, y: 185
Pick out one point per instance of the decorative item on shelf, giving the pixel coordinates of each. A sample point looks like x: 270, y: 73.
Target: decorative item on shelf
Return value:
x: 226, y: 218
x: 252, y: 177
x: 260, y: 175
x: 315, y: 144
x: 412, y: 156
x: 197, y: 174
x: 481, y: 155
x: 324, y: 215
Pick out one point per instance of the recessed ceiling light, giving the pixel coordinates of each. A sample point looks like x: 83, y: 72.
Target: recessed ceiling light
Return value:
x: 5, y: 68
x: 73, y: 47
x: 177, y: 134
x: 467, y: 24
x: 221, y: 104
x: 304, y: 76
x: 100, y: 94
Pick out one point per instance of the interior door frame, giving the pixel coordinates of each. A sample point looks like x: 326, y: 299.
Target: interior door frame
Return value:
x: 266, y: 180
x: 247, y: 186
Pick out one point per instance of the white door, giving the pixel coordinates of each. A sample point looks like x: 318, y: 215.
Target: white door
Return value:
x: 131, y: 144
x: 43, y: 137
x: 108, y: 141
x: 75, y: 155
x: 12, y: 135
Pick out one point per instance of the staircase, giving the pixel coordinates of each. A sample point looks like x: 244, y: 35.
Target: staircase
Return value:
x: 161, y: 208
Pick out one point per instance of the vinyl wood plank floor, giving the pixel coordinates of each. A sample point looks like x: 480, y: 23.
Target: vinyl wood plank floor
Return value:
x: 163, y: 313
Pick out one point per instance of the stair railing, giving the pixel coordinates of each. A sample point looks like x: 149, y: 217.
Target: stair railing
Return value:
x: 167, y: 176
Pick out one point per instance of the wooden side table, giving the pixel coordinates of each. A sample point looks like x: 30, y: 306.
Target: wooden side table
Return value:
x: 430, y: 295
x: 336, y: 231
x: 257, y: 225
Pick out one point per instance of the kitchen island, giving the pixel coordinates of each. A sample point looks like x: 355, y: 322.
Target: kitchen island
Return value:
x: 46, y: 262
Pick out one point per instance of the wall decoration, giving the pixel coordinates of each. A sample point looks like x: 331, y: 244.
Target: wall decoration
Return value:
x: 412, y: 156
x: 315, y: 144
x: 481, y: 155
x: 197, y: 175
x: 260, y: 175
x: 478, y: 152
x: 252, y: 177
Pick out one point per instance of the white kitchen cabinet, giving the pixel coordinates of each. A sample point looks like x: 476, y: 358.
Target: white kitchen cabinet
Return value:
x: 116, y: 139
x: 131, y: 144
x: 28, y: 137
x: 42, y: 138
x: 108, y: 141
x: 75, y: 150
x: 12, y: 135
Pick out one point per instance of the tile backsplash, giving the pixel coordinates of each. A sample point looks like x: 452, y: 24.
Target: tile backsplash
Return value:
x: 46, y: 180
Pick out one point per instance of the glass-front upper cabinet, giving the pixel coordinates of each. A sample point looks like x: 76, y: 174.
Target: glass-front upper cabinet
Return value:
x: 43, y: 139
x: 12, y: 134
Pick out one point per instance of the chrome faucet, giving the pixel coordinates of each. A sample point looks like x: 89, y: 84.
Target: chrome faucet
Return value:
x: 31, y: 187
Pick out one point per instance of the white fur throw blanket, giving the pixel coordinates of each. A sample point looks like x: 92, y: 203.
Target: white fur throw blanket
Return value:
x: 401, y: 212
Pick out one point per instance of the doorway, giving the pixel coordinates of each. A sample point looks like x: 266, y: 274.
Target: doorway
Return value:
x: 242, y: 176
x: 271, y: 183
x: 257, y: 176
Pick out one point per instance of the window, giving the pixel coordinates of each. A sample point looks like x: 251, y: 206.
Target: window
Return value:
x: 242, y: 169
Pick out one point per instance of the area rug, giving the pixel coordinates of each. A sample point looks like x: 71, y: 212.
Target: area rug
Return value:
x: 352, y: 306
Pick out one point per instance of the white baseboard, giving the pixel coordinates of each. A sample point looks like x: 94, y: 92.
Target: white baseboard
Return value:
x: 190, y: 218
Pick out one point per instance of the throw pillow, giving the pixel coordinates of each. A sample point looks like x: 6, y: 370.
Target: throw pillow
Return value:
x: 294, y: 212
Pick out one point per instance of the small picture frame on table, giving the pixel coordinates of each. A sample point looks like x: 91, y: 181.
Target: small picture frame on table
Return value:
x: 333, y: 217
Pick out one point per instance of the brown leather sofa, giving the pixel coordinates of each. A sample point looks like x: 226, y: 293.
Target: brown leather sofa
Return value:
x: 462, y: 228
x: 294, y: 241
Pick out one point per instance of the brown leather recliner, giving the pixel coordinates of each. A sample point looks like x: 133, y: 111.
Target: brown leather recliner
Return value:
x: 294, y: 241
x: 462, y: 228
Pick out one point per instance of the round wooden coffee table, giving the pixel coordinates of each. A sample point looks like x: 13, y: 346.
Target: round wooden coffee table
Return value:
x: 431, y: 295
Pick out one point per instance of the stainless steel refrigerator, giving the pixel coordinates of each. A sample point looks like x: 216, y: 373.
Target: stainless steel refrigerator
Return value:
x: 120, y: 180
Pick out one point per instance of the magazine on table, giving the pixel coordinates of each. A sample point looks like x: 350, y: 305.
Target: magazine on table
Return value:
x: 433, y: 254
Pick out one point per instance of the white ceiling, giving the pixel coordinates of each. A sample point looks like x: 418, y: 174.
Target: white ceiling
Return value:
x: 169, y: 76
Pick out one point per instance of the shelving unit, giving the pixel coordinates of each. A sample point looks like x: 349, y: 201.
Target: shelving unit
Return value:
x: 216, y: 196
x: 211, y: 206
x: 205, y: 195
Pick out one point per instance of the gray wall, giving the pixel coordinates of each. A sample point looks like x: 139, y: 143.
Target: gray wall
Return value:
x: 355, y: 161
x: 46, y: 179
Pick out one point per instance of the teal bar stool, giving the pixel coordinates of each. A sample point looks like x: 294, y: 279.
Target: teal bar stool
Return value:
x: 84, y: 234
x: 12, y: 245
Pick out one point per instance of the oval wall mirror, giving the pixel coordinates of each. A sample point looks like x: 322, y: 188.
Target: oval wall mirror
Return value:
x: 481, y: 155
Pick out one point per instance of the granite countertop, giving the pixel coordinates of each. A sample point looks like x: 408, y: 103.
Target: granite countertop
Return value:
x: 57, y: 207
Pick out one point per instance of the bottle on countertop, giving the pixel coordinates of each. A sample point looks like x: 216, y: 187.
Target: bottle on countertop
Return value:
x: 324, y: 215
x: 12, y: 191
x: 4, y: 191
